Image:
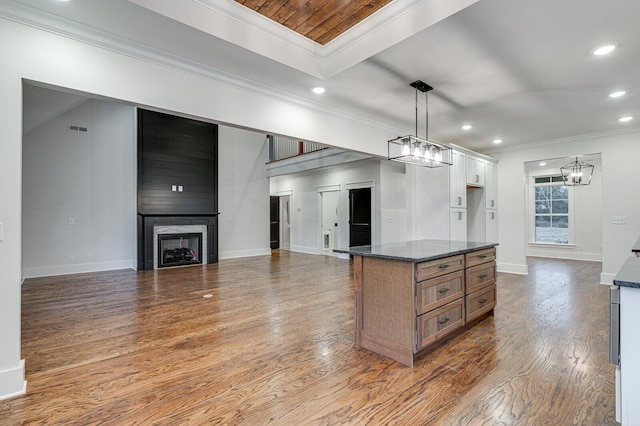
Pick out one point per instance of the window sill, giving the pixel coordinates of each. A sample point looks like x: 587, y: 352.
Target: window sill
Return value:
x: 552, y: 245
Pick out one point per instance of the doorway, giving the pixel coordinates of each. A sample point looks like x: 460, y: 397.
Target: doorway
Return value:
x: 285, y: 221
x: 360, y: 217
x: 329, y: 224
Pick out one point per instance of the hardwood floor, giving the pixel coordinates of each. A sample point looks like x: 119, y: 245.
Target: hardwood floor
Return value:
x: 273, y: 344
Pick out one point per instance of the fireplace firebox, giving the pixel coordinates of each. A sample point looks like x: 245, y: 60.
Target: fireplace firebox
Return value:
x: 179, y: 249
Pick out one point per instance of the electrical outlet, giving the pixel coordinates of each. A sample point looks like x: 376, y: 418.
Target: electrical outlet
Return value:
x: 72, y: 221
x: 619, y: 220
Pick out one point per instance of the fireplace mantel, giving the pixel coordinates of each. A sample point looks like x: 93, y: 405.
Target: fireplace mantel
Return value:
x: 146, y: 222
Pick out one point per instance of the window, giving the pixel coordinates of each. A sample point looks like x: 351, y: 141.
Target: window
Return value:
x: 551, y: 215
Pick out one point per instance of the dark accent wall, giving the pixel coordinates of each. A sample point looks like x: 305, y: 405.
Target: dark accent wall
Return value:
x: 176, y: 151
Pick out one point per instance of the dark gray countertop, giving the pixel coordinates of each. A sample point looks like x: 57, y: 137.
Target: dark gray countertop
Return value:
x: 636, y: 246
x: 629, y: 274
x: 417, y: 251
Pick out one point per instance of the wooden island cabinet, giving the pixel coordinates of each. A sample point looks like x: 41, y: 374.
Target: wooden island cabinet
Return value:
x: 410, y: 295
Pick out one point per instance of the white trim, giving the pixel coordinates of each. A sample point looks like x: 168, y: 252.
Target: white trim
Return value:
x: 606, y: 278
x: 49, y: 271
x: 512, y: 268
x: 12, y: 382
x: 587, y: 257
x: 233, y: 254
x: 328, y: 188
x: 284, y: 193
x: 304, y: 249
x: 359, y: 185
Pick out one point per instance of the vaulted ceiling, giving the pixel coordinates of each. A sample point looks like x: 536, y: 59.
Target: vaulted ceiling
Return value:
x: 515, y: 70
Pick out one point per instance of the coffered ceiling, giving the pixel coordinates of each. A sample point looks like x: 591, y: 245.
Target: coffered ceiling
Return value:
x: 318, y: 20
x: 515, y: 70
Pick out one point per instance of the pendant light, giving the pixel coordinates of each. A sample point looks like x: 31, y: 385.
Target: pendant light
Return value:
x: 412, y: 149
x: 577, y: 173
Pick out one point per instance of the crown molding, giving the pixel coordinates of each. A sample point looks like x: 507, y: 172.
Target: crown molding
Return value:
x: 576, y: 138
x: 57, y: 26
x: 248, y: 29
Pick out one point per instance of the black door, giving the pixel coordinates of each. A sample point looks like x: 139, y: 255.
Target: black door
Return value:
x: 274, y: 214
x: 360, y: 217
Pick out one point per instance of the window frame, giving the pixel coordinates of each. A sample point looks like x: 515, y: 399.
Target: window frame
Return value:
x: 532, y: 210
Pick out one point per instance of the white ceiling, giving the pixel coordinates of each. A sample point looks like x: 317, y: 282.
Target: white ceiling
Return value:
x: 518, y: 70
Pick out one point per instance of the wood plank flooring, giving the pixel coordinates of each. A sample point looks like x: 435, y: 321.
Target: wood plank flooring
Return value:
x: 273, y: 345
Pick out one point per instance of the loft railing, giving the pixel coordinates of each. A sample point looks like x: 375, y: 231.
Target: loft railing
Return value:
x: 281, y: 147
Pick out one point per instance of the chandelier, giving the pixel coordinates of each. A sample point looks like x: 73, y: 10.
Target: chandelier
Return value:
x: 415, y: 150
x: 576, y: 173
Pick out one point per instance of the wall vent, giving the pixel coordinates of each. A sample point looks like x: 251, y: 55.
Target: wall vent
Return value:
x: 76, y: 128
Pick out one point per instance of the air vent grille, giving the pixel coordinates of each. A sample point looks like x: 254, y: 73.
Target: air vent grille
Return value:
x: 76, y: 128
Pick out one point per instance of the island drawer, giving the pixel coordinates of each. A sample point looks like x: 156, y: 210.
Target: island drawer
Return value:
x: 433, y: 293
x: 435, y: 268
x: 481, y: 302
x: 481, y: 256
x: 439, y: 322
x: 480, y: 276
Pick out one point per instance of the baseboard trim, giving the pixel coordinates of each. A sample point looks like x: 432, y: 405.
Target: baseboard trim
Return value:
x: 244, y: 253
x: 306, y: 250
x: 12, y: 382
x: 606, y: 278
x: 49, y: 271
x: 555, y: 254
x: 512, y: 268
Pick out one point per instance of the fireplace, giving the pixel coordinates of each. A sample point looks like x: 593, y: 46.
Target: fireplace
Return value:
x: 176, y: 240
x: 179, y: 249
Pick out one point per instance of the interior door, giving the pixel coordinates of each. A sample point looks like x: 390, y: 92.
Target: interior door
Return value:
x: 274, y: 221
x: 360, y: 217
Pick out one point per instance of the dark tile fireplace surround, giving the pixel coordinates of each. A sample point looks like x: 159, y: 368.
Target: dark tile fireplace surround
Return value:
x: 146, y: 223
x: 177, y: 184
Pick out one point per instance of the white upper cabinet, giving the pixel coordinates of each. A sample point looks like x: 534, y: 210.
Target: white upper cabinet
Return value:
x: 475, y: 171
x: 491, y: 186
x: 457, y: 181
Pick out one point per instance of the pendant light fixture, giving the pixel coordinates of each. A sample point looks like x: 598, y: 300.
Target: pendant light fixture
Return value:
x: 577, y: 173
x: 415, y: 150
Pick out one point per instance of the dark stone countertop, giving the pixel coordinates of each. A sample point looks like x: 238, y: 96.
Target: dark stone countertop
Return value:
x: 417, y: 251
x: 629, y: 274
x: 636, y: 246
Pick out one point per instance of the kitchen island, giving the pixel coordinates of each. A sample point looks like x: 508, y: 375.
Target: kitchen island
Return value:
x: 628, y: 368
x: 410, y: 295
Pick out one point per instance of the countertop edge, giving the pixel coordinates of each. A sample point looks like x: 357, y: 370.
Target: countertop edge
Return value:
x: 415, y: 259
x: 629, y: 274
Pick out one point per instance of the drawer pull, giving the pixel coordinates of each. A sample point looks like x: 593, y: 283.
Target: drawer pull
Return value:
x: 443, y: 266
x: 444, y: 290
x: 482, y: 256
x: 444, y: 321
x: 482, y: 300
x: 482, y: 276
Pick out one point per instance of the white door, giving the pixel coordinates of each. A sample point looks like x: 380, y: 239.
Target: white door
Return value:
x: 458, y: 224
x: 285, y: 222
x: 329, y: 220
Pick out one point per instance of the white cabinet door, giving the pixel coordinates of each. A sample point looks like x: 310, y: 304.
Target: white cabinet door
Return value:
x: 475, y: 171
x: 458, y: 224
x: 492, y: 226
x: 491, y: 186
x: 457, y: 181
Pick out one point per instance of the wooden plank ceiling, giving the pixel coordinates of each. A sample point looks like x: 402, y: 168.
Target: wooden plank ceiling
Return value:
x: 318, y: 20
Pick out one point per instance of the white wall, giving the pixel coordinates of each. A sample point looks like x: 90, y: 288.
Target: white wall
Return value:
x: 586, y: 218
x: 305, y: 201
x: 394, y: 217
x: 243, y: 193
x: 620, y: 196
x: 155, y: 82
x: 87, y: 177
x: 428, y: 202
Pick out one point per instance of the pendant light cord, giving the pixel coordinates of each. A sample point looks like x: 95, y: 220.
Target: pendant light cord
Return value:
x: 416, y: 112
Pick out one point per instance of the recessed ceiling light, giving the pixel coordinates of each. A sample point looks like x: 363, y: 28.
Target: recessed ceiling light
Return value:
x: 543, y: 164
x: 625, y: 118
x: 604, y: 49
x: 497, y: 141
x: 617, y: 94
x: 467, y: 127
x: 318, y: 90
